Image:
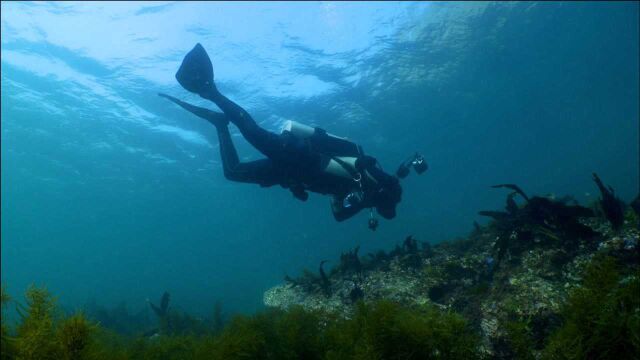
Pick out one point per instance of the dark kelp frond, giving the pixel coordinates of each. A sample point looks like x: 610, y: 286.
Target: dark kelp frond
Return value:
x: 611, y: 206
x: 513, y: 187
x: 326, y: 285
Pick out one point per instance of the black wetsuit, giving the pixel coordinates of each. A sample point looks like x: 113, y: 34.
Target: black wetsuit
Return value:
x: 290, y: 162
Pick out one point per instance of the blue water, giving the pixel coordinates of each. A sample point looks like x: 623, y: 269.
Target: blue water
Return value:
x: 112, y: 193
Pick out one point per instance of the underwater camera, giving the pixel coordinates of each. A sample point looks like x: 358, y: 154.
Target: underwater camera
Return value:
x: 416, y: 161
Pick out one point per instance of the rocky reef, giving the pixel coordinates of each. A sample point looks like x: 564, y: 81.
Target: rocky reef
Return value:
x: 512, y: 280
x: 546, y: 278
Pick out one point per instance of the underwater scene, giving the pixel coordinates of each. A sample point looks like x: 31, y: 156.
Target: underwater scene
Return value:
x: 320, y: 180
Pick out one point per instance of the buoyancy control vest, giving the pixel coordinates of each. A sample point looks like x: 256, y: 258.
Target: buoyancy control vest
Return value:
x: 343, y: 158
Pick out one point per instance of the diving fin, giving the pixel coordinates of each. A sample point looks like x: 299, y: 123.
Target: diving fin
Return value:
x: 196, y: 72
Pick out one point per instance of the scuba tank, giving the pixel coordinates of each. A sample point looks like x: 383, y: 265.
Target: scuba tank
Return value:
x: 340, y: 152
x: 321, y: 141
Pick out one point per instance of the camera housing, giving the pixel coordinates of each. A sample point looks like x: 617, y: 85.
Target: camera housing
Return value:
x: 418, y: 163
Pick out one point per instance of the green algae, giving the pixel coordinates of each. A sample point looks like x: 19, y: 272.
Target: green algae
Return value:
x: 7, y: 343
x: 524, y: 312
x: 378, y: 330
x: 602, y: 318
x: 75, y: 336
x: 36, y: 332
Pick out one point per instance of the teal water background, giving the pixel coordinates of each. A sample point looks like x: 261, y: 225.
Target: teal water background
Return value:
x: 110, y: 192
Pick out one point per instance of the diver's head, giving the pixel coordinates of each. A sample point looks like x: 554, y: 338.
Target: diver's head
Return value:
x: 387, y: 197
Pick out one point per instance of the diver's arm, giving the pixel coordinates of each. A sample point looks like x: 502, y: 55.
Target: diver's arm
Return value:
x: 209, y: 115
x: 341, y: 213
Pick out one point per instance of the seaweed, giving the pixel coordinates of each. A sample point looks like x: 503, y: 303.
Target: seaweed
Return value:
x: 412, y: 258
x: 410, y: 245
x: 477, y: 230
x: 75, y: 335
x: 350, y: 263
x: 167, y: 348
x: 164, y: 305
x: 7, y: 343
x: 601, y: 318
x: 635, y: 205
x: 427, y: 250
x: 380, y: 330
x: 324, y: 280
x: 376, y: 260
x: 632, y: 218
x: 519, y: 342
x: 162, y: 313
x: 119, y: 318
x: 386, y: 330
x: 311, y: 282
x: 611, y: 206
x: 513, y: 187
x: 539, y: 218
x: 217, y: 318
x: 36, y: 332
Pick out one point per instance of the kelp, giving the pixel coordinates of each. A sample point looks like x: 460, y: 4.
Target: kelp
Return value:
x: 162, y: 313
x: 324, y: 280
x: 610, y: 205
x: 539, y: 218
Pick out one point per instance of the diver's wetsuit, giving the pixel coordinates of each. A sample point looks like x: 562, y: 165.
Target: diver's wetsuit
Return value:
x: 286, y: 157
x: 288, y: 161
x: 291, y: 162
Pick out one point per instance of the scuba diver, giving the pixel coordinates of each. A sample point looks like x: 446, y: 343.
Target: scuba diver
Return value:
x: 301, y: 158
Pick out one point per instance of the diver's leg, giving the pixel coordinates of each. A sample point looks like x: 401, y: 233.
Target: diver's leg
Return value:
x: 196, y: 75
x: 215, y: 118
x: 268, y: 143
x: 256, y: 172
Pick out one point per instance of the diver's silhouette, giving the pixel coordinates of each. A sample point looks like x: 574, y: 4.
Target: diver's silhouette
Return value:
x: 301, y: 158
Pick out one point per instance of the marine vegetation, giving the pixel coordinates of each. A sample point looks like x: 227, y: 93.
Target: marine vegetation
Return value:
x: 635, y: 205
x: 378, y: 330
x: 120, y: 318
x: 349, y: 263
x: 567, y: 288
x: 176, y: 322
x: 217, y: 318
x: 345, y: 281
x: 75, y: 335
x: 36, y: 333
x: 326, y: 285
x: 162, y: 313
x: 601, y: 318
x: 386, y: 330
x: 540, y: 219
x: 308, y: 281
x: 609, y: 204
x: 7, y: 344
x: 515, y: 306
